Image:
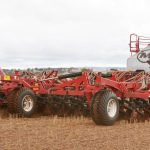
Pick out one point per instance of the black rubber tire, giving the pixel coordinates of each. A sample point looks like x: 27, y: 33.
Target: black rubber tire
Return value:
x: 16, y: 102
x: 99, y: 108
x: 10, y: 100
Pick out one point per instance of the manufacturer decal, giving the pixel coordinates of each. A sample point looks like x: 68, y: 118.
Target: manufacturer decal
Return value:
x: 144, y: 56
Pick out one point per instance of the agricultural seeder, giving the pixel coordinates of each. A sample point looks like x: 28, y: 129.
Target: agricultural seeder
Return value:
x: 103, y: 96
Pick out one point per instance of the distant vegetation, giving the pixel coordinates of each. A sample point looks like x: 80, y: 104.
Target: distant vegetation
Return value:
x: 66, y: 70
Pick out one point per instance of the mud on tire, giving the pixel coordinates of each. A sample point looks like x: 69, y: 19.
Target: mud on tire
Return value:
x: 105, y: 108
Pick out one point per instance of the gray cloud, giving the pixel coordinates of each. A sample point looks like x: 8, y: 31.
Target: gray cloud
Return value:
x: 56, y: 33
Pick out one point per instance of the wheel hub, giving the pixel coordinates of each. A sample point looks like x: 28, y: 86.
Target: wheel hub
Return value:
x: 112, y: 108
x: 27, y: 103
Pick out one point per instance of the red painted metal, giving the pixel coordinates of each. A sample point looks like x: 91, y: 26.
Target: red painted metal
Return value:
x: 134, y: 43
x: 124, y: 84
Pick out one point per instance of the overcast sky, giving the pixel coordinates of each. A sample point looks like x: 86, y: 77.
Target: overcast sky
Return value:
x: 66, y: 33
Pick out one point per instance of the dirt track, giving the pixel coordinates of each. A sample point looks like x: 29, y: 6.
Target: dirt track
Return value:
x: 47, y: 133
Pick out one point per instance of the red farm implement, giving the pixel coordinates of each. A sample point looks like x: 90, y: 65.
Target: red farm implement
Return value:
x: 102, y: 96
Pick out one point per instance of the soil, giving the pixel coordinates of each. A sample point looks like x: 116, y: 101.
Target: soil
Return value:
x: 53, y: 133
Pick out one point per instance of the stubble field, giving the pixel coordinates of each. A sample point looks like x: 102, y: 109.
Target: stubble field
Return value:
x: 53, y: 133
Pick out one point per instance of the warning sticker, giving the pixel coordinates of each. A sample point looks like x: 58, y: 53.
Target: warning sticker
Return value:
x: 6, y: 77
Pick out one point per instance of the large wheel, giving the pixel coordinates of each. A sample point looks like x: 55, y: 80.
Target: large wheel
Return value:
x: 23, y: 102
x: 105, y: 108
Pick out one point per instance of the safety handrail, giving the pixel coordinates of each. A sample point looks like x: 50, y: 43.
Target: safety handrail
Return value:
x: 137, y: 43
